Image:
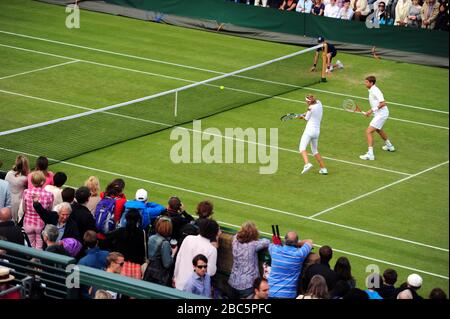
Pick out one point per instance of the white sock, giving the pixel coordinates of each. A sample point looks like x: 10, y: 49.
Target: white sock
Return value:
x: 388, y: 143
x: 370, y: 152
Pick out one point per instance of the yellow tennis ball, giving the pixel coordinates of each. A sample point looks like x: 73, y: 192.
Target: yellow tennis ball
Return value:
x: 221, y: 87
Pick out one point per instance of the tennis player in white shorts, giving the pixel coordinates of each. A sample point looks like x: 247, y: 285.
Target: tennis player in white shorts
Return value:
x: 380, y: 113
x: 311, y: 134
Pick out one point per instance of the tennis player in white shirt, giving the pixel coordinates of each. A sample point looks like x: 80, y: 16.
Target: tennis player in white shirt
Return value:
x: 380, y: 113
x: 311, y: 134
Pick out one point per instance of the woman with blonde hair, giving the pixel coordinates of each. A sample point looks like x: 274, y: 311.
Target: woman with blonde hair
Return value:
x: 246, y: 245
x: 17, y: 179
x: 94, y: 186
x: 317, y: 289
x: 32, y: 223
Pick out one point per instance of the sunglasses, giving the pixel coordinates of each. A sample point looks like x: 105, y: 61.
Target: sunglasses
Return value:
x: 202, y: 266
x: 120, y: 264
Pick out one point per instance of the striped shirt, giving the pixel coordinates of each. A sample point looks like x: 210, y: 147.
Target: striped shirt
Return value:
x: 287, y: 263
x: 31, y: 218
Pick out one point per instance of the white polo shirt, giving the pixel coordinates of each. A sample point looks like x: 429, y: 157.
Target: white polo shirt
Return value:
x: 375, y: 97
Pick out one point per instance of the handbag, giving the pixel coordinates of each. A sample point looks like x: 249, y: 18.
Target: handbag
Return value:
x: 155, y: 271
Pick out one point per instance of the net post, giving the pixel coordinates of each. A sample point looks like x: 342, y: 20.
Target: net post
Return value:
x: 324, y: 62
x: 176, y: 104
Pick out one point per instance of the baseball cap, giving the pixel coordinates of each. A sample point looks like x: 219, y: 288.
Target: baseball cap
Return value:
x: 320, y: 39
x: 141, y: 195
x: 414, y: 280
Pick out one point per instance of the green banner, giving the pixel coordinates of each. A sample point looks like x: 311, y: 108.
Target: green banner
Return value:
x: 388, y: 37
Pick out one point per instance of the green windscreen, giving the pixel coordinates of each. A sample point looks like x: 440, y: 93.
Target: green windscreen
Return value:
x: 79, y: 134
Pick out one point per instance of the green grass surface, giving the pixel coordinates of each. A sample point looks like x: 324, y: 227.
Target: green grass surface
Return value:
x: 411, y: 212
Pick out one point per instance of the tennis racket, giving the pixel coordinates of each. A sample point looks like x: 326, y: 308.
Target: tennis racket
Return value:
x: 350, y: 106
x: 291, y: 116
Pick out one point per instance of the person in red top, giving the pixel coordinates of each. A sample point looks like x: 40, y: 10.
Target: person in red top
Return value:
x: 42, y: 165
x: 5, y: 278
x: 115, y: 190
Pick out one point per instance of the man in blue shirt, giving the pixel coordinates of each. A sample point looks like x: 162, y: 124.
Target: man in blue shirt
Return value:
x: 200, y: 281
x: 286, y: 266
x: 95, y: 257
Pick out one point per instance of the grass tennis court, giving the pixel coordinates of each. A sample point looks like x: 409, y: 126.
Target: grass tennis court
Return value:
x: 392, y: 212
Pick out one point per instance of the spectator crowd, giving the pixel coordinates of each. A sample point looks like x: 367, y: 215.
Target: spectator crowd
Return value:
x: 166, y: 245
x: 426, y: 14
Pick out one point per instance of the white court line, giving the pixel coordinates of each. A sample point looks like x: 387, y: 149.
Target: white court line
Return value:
x: 235, y: 201
x: 357, y: 255
x: 377, y: 190
x: 207, y: 133
x: 191, y: 81
x: 37, y: 70
x: 196, y: 68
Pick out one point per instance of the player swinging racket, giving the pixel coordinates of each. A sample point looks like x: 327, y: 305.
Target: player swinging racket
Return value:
x: 380, y: 113
x: 311, y: 134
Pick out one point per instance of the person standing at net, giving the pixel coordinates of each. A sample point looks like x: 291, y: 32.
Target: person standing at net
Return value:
x: 311, y: 134
x: 380, y: 111
x: 331, y: 53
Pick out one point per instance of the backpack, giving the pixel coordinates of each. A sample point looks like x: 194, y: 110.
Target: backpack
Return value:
x: 104, y: 215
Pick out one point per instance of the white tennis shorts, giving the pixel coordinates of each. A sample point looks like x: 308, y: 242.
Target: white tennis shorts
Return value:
x: 307, y: 138
x: 379, y: 120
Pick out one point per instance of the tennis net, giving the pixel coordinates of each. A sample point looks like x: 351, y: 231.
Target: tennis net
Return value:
x: 67, y: 137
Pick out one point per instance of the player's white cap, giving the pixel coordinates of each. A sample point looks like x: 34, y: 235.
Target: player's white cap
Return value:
x: 414, y: 280
x: 141, y: 195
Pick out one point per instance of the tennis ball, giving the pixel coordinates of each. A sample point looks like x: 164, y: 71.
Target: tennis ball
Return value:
x: 221, y: 87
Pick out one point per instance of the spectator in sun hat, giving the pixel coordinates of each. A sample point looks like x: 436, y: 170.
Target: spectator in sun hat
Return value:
x: 149, y: 210
x: 413, y: 283
x: 5, y: 283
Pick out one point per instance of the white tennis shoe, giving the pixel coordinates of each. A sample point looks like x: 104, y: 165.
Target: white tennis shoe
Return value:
x: 307, y: 167
x: 388, y: 148
x: 367, y: 157
x: 323, y: 171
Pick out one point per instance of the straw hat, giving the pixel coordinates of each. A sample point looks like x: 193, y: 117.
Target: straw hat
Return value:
x: 4, y: 275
